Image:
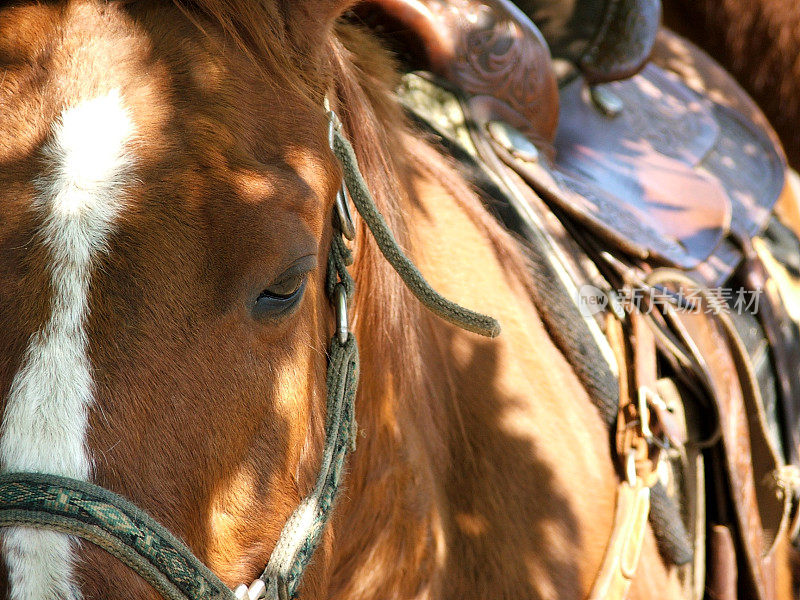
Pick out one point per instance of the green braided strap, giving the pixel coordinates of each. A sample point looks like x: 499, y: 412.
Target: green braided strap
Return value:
x: 415, y: 282
x: 302, y: 532
x: 114, y: 524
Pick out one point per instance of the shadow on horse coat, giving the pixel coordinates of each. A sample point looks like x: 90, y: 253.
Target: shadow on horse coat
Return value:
x: 483, y: 471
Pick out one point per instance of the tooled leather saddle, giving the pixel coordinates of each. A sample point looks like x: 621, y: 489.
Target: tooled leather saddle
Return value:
x: 655, y: 168
x: 621, y: 170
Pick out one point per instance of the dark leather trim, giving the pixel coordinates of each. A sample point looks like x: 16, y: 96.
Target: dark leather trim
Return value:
x: 775, y: 322
x: 607, y: 40
x: 723, y: 575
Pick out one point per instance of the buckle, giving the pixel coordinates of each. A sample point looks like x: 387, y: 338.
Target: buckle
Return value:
x: 645, y: 398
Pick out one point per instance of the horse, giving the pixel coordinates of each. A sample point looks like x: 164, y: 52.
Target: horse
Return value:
x: 168, y: 189
x: 755, y: 41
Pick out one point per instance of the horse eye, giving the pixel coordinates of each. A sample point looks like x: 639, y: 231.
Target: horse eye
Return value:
x: 284, y: 290
x: 283, y: 295
x: 280, y: 298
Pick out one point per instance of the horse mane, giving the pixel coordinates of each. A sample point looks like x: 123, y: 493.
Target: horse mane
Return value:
x: 403, y: 395
x: 259, y: 30
x: 391, y: 154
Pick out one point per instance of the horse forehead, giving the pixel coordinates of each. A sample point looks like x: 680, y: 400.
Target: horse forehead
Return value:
x: 88, y: 154
x: 189, y: 108
x: 153, y: 141
x: 170, y: 69
x: 59, y: 221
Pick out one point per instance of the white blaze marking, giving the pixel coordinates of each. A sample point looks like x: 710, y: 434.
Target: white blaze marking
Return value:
x: 45, y: 423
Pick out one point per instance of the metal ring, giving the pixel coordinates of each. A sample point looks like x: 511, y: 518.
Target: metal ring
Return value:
x: 340, y: 304
x: 630, y: 468
x: 343, y: 195
x: 333, y: 125
x: 343, y: 212
x: 645, y: 397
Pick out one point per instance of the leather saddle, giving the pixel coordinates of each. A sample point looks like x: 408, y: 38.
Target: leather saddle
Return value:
x: 600, y: 149
x: 603, y: 40
x: 654, y: 168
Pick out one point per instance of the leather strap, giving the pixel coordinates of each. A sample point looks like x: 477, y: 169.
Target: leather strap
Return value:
x: 760, y: 507
x: 622, y: 555
x: 723, y: 574
x: 634, y: 425
x: 624, y: 549
x: 687, y: 483
x: 774, y: 320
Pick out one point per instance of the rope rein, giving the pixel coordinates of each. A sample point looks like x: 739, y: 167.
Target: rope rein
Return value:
x: 408, y: 271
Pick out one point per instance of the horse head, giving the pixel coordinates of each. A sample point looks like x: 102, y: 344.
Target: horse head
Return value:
x: 167, y: 192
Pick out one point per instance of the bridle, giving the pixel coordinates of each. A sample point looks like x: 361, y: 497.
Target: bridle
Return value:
x: 97, y: 515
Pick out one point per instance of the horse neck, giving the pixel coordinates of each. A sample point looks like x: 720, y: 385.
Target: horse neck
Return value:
x: 449, y: 417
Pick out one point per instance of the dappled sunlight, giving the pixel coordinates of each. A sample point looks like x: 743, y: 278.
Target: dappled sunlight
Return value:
x: 228, y: 507
x: 167, y: 188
